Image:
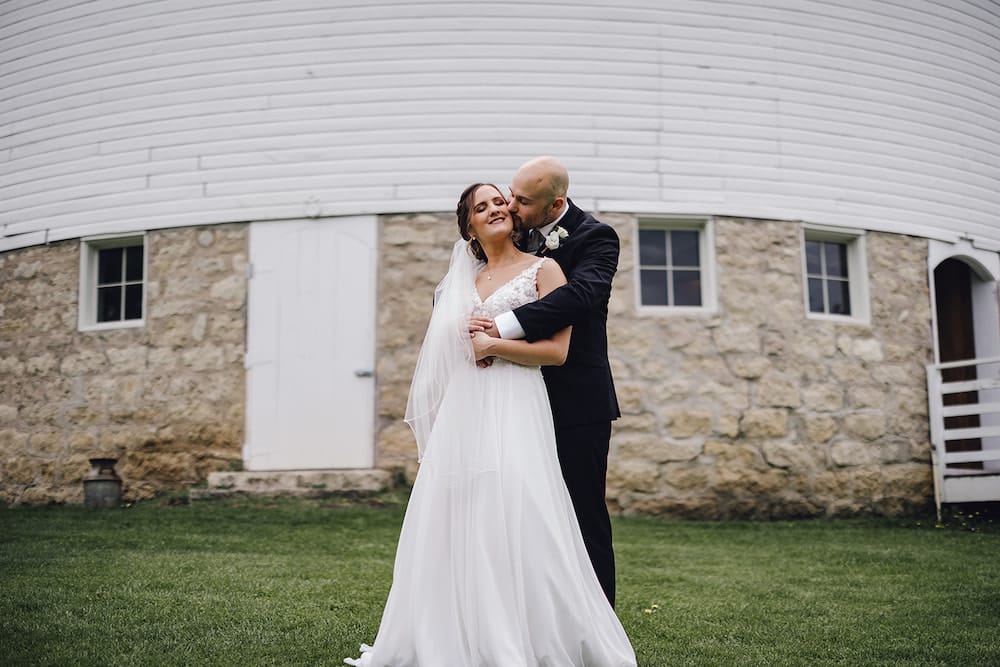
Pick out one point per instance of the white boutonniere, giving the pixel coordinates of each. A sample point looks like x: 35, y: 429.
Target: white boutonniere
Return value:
x: 555, y: 237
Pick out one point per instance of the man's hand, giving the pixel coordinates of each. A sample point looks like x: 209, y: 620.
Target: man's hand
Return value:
x: 483, y: 324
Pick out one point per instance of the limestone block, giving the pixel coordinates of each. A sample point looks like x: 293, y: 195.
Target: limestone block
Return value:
x: 686, y: 423
x: 748, y: 367
x: 764, y: 423
x: 778, y: 390
x: 11, y: 366
x: 636, y: 339
x: 912, y: 426
x: 814, y: 344
x: 646, y: 422
x: 392, y: 399
x: 46, y: 443
x: 731, y: 396
x: 851, y: 373
x: 738, y: 479
x: 157, y: 466
x: 869, y: 426
x: 633, y: 475
x: 83, y: 416
x: 824, y: 397
x: 85, y: 362
x: 734, y: 454
x: 831, y: 483
x: 698, y: 507
x: 687, y: 477
x: 852, y: 453
x: 407, y: 234
x: 231, y: 291
x: 908, y: 480
x: 867, y: 482
x: 773, y: 343
x: 40, y: 365
x: 867, y: 349
x: 21, y: 469
x: 898, y: 374
x: 658, y: 368
x: 129, y: 360
x: 204, y: 358
x: 630, y: 397
x: 727, y: 425
x: 27, y: 270
x: 672, y: 389
x: 895, y: 451
x: 8, y: 414
x: 396, y: 442
x: 12, y: 442
x: 652, y: 448
x: 795, y: 456
x: 820, y: 428
x: 869, y: 396
x: 737, y: 338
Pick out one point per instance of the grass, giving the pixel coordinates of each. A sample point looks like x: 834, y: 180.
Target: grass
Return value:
x: 303, y: 583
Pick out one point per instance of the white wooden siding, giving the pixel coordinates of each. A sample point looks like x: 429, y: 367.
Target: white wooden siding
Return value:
x: 878, y: 114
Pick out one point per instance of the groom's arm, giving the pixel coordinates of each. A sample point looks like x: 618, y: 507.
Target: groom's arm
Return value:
x: 589, y: 286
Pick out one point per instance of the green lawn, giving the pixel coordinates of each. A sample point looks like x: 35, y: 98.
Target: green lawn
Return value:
x: 302, y: 583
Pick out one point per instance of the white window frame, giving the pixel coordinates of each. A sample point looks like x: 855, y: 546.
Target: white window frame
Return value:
x: 857, y: 271
x: 89, y: 247
x: 706, y: 251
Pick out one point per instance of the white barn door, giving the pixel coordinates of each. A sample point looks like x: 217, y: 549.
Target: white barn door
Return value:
x: 311, y: 345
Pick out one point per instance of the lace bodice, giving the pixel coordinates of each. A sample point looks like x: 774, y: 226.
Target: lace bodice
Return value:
x: 519, y: 290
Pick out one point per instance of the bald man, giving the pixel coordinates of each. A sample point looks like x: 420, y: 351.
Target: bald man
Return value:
x: 581, y: 391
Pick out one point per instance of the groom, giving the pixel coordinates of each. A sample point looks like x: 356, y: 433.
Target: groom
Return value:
x: 581, y: 391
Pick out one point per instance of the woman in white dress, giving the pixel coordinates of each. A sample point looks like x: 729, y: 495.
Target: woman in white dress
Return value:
x: 491, y: 569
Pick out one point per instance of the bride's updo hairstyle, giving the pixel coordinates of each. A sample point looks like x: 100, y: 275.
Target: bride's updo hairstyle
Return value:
x: 464, y: 212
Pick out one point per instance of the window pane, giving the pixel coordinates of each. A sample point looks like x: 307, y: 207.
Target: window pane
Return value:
x: 133, y: 302
x: 684, y: 248
x: 652, y: 247
x: 840, y: 296
x: 654, y: 287
x: 109, y: 266
x: 813, y: 266
x: 133, y: 263
x: 687, y: 288
x: 836, y: 259
x: 109, y: 304
x: 816, y: 295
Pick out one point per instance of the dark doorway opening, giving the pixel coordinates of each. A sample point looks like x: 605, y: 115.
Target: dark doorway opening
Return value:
x: 957, y: 342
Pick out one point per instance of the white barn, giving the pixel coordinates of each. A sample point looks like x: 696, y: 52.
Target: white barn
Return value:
x: 216, y: 219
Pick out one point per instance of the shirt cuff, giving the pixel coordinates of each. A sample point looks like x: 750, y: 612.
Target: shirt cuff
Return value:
x: 508, y: 326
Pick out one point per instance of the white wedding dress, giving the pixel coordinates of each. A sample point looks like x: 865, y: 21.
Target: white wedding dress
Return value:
x: 491, y: 569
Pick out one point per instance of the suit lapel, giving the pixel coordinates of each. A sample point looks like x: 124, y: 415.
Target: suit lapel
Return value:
x: 570, y: 222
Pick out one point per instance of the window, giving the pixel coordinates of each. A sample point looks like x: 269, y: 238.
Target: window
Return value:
x: 675, y: 266
x: 112, y: 282
x: 827, y: 275
x: 835, y: 274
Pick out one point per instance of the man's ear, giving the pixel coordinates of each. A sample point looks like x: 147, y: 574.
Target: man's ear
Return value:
x: 558, y: 203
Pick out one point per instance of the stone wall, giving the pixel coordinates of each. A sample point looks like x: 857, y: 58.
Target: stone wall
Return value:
x: 753, y: 411
x: 757, y: 411
x: 165, y: 399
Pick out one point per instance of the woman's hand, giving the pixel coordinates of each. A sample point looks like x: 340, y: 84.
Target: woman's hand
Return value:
x: 482, y: 344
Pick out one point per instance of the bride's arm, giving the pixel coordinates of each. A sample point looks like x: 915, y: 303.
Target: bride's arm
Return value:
x: 546, y: 352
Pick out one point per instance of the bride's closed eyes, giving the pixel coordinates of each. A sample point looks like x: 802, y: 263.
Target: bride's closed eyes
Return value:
x: 497, y: 201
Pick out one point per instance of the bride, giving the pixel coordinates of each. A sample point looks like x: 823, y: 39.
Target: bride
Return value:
x: 491, y: 569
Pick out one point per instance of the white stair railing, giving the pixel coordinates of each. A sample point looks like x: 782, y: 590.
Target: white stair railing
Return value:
x: 954, y: 484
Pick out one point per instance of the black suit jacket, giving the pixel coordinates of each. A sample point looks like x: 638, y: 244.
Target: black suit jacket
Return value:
x: 581, y: 391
